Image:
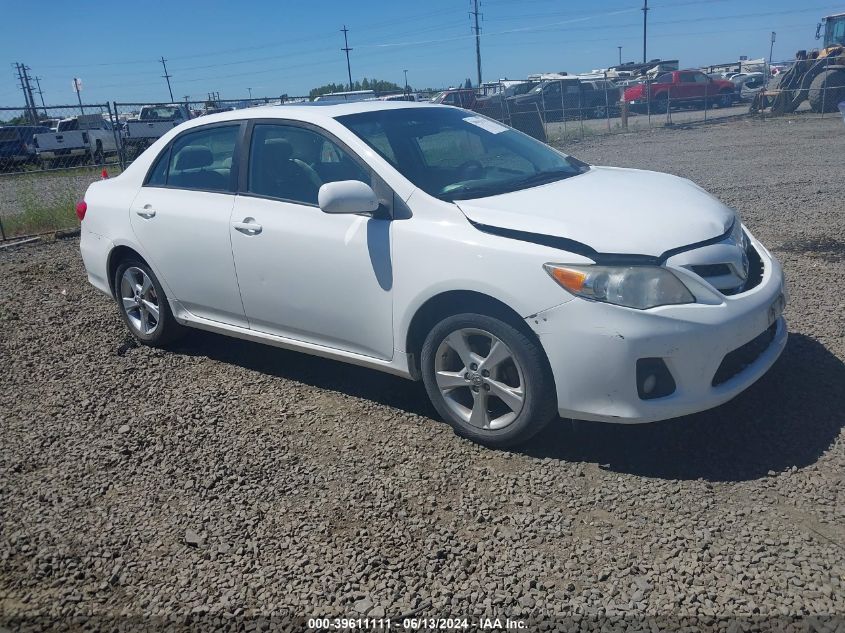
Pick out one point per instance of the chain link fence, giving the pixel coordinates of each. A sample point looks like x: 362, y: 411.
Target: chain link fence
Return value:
x: 49, y: 155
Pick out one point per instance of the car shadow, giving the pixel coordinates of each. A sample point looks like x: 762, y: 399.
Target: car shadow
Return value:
x: 788, y: 418
x: 323, y: 373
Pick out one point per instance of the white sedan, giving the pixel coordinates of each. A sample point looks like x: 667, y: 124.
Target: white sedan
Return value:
x: 517, y: 282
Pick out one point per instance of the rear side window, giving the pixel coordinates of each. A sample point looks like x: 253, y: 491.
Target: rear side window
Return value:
x: 202, y: 160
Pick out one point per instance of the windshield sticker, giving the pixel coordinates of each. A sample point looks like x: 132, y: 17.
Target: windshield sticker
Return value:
x: 486, y: 124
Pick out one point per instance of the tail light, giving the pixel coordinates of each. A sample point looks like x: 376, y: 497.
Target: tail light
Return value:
x: 81, y: 208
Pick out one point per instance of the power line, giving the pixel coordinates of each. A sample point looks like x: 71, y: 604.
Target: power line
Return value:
x: 346, y: 49
x: 645, y: 26
x: 477, y: 30
x: 167, y: 77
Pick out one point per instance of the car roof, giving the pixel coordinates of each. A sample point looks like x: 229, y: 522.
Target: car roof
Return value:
x: 311, y: 112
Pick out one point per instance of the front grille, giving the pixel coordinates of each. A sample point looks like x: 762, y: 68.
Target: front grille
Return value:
x: 736, y: 361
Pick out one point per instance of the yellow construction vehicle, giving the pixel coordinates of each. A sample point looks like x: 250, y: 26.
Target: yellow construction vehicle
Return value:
x: 817, y: 76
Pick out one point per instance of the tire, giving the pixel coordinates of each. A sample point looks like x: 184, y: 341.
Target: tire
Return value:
x: 827, y: 90
x: 504, y: 395
x: 725, y: 100
x: 137, y: 290
x: 660, y: 104
x: 98, y: 156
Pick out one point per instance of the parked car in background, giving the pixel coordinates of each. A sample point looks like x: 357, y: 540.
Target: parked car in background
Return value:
x: 569, y: 97
x: 17, y: 145
x: 152, y: 122
x: 519, y: 283
x: 680, y: 88
x: 492, y: 102
x: 53, y: 124
x: 87, y: 136
x: 748, y: 84
x: 460, y: 97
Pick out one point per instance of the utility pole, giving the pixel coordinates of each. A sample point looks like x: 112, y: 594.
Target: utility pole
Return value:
x: 477, y: 30
x: 27, y: 92
x: 250, y: 94
x: 406, y: 80
x: 771, y: 50
x: 620, y: 55
x: 346, y: 50
x: 645, y: 28
x: 167, y: 77
x: 40, y: 93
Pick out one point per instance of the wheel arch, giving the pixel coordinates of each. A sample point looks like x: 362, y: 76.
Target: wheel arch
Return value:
x: 118, y: 254
x: 450, y: 302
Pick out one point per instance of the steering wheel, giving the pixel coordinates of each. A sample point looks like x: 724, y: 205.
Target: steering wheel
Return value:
x: 471, y: 170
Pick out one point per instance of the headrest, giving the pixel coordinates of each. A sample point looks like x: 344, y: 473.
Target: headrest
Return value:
x: 194, y: 157
x: 277, y: 150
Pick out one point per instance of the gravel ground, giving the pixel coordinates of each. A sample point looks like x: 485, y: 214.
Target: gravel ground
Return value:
x: 223, y: 482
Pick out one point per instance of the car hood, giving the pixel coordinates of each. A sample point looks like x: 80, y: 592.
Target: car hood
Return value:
x: 610, y: 210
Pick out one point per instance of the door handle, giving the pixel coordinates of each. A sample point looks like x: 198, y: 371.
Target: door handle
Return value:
x: 146, y: 212
x: 248, y: 227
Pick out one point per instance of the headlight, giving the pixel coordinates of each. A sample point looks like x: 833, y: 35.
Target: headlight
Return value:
x: 638, y: 287
x: 737, y: 234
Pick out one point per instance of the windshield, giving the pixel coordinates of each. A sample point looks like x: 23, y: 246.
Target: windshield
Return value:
x: 455, y: 155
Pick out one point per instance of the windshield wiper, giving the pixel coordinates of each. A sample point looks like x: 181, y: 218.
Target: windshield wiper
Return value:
x: 468, y: 192
x: 542, y: 177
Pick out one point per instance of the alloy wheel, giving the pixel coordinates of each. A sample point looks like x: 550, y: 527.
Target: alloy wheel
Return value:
x: 480, y: 379
x: 139, y: 300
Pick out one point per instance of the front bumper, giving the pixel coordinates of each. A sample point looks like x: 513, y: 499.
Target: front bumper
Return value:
x: 593, y: 350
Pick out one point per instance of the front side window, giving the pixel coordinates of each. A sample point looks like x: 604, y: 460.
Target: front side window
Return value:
x: 292, y: 163
x: 456, y: 155
x: 202, y: 159
x: 686, y: 78
x: 666, y: 78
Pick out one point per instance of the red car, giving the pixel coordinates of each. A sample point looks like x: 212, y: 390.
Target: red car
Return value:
x: 687, y: 87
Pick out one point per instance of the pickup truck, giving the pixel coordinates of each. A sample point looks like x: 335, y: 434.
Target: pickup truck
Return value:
x: 681, y: 87
x: 566, y: 98
x: 84, y: 136
x: 16, y: 144
x: 152, y: 122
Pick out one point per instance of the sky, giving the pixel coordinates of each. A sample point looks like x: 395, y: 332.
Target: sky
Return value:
x: 276, y: 47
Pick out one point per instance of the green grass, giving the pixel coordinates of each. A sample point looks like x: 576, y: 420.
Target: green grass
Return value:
x: 40, y: 217
x: 46, y: 201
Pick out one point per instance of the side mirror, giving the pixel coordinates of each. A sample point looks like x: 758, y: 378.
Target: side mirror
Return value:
x: 347, y: 196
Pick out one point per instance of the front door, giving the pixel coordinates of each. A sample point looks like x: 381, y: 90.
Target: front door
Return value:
x: 304, y: 274
x: 181, y: 217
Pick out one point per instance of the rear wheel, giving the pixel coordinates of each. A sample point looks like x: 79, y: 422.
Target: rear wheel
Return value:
x: 143, y: 304
x: 487, y: 379
x: 827, y: 91
x: 661, y: 103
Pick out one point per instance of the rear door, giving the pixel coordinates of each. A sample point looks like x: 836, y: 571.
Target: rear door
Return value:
x: 181, y: 217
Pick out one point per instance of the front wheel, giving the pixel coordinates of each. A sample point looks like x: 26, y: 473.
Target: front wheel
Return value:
x: 488, y: 380
x: 143, y: 304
